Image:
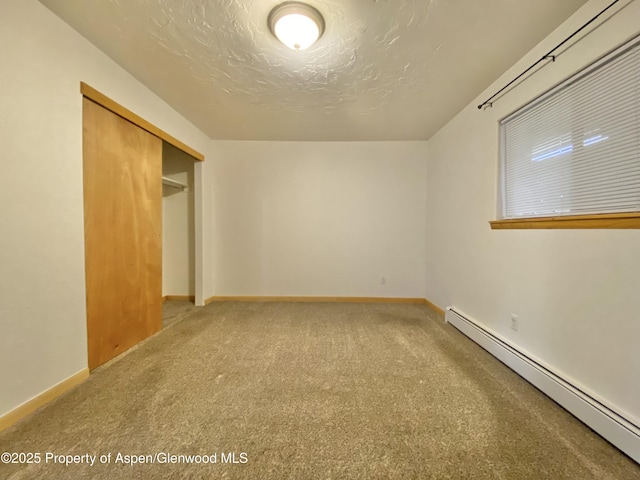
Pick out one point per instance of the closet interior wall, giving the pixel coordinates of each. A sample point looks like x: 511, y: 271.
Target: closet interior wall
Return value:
x: 178, y: 224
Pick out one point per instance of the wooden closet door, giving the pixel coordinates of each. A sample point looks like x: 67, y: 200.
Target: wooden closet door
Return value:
x: 123, y: 232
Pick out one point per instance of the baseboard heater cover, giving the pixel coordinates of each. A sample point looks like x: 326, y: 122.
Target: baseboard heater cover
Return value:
x: 616, y: 429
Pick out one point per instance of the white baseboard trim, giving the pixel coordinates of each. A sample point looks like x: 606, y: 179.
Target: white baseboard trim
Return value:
x: 30, y: 406
x: 612, y: 426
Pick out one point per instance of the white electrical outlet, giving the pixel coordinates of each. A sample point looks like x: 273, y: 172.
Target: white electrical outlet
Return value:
x: 383, y: 281
x: 514, y: 322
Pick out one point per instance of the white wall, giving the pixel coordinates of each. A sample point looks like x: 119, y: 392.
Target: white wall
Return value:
x: 178, y: 229
x: 575, y: 291
x: 42, y: 291
x: 317, y: 219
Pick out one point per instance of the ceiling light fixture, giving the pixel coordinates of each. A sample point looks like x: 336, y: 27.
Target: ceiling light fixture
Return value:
x: 296, y: 24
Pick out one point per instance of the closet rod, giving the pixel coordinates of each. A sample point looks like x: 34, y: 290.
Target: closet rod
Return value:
x: 174, y: 184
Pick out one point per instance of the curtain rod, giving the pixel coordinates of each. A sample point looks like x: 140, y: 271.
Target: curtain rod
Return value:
x: 547, y: 56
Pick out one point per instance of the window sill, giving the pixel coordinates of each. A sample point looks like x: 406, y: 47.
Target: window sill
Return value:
x: 607, y: 220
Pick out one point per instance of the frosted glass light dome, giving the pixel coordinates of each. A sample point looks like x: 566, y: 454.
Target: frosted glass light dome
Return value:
x: 296, y: 24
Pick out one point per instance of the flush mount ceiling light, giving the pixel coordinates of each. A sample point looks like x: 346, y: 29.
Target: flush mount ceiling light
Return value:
x: 296, y: 24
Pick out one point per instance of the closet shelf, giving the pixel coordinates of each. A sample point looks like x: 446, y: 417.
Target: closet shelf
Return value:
x: 174, y: 184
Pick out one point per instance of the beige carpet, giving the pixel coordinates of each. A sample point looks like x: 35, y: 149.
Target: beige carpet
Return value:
x: 311, y: 391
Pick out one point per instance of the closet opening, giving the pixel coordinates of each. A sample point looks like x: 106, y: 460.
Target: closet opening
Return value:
x: 178, y: 233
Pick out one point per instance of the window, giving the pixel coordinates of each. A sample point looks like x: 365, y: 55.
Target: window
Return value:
x: 575, y: 151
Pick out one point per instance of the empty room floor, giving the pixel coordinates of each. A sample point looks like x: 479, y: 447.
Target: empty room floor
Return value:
x: 306, y: 391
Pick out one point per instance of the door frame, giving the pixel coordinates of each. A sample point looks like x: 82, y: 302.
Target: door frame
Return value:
x: 198, y: 187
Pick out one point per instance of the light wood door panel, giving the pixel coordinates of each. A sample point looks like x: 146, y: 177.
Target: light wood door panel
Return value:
x: 123, y: 232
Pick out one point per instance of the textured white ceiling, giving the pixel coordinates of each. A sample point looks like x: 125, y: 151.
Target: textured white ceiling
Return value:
x: 383, y: 70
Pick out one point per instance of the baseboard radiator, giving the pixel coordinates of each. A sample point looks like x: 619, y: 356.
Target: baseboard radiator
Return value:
x: 616, y: 429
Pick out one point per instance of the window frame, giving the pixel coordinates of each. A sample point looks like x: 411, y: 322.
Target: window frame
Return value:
x: 621, y: 220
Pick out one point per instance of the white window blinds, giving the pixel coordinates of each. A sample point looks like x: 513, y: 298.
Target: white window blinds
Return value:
x: 576, y: 149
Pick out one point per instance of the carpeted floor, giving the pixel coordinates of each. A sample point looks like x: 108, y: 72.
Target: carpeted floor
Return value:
x: 311, y: 391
